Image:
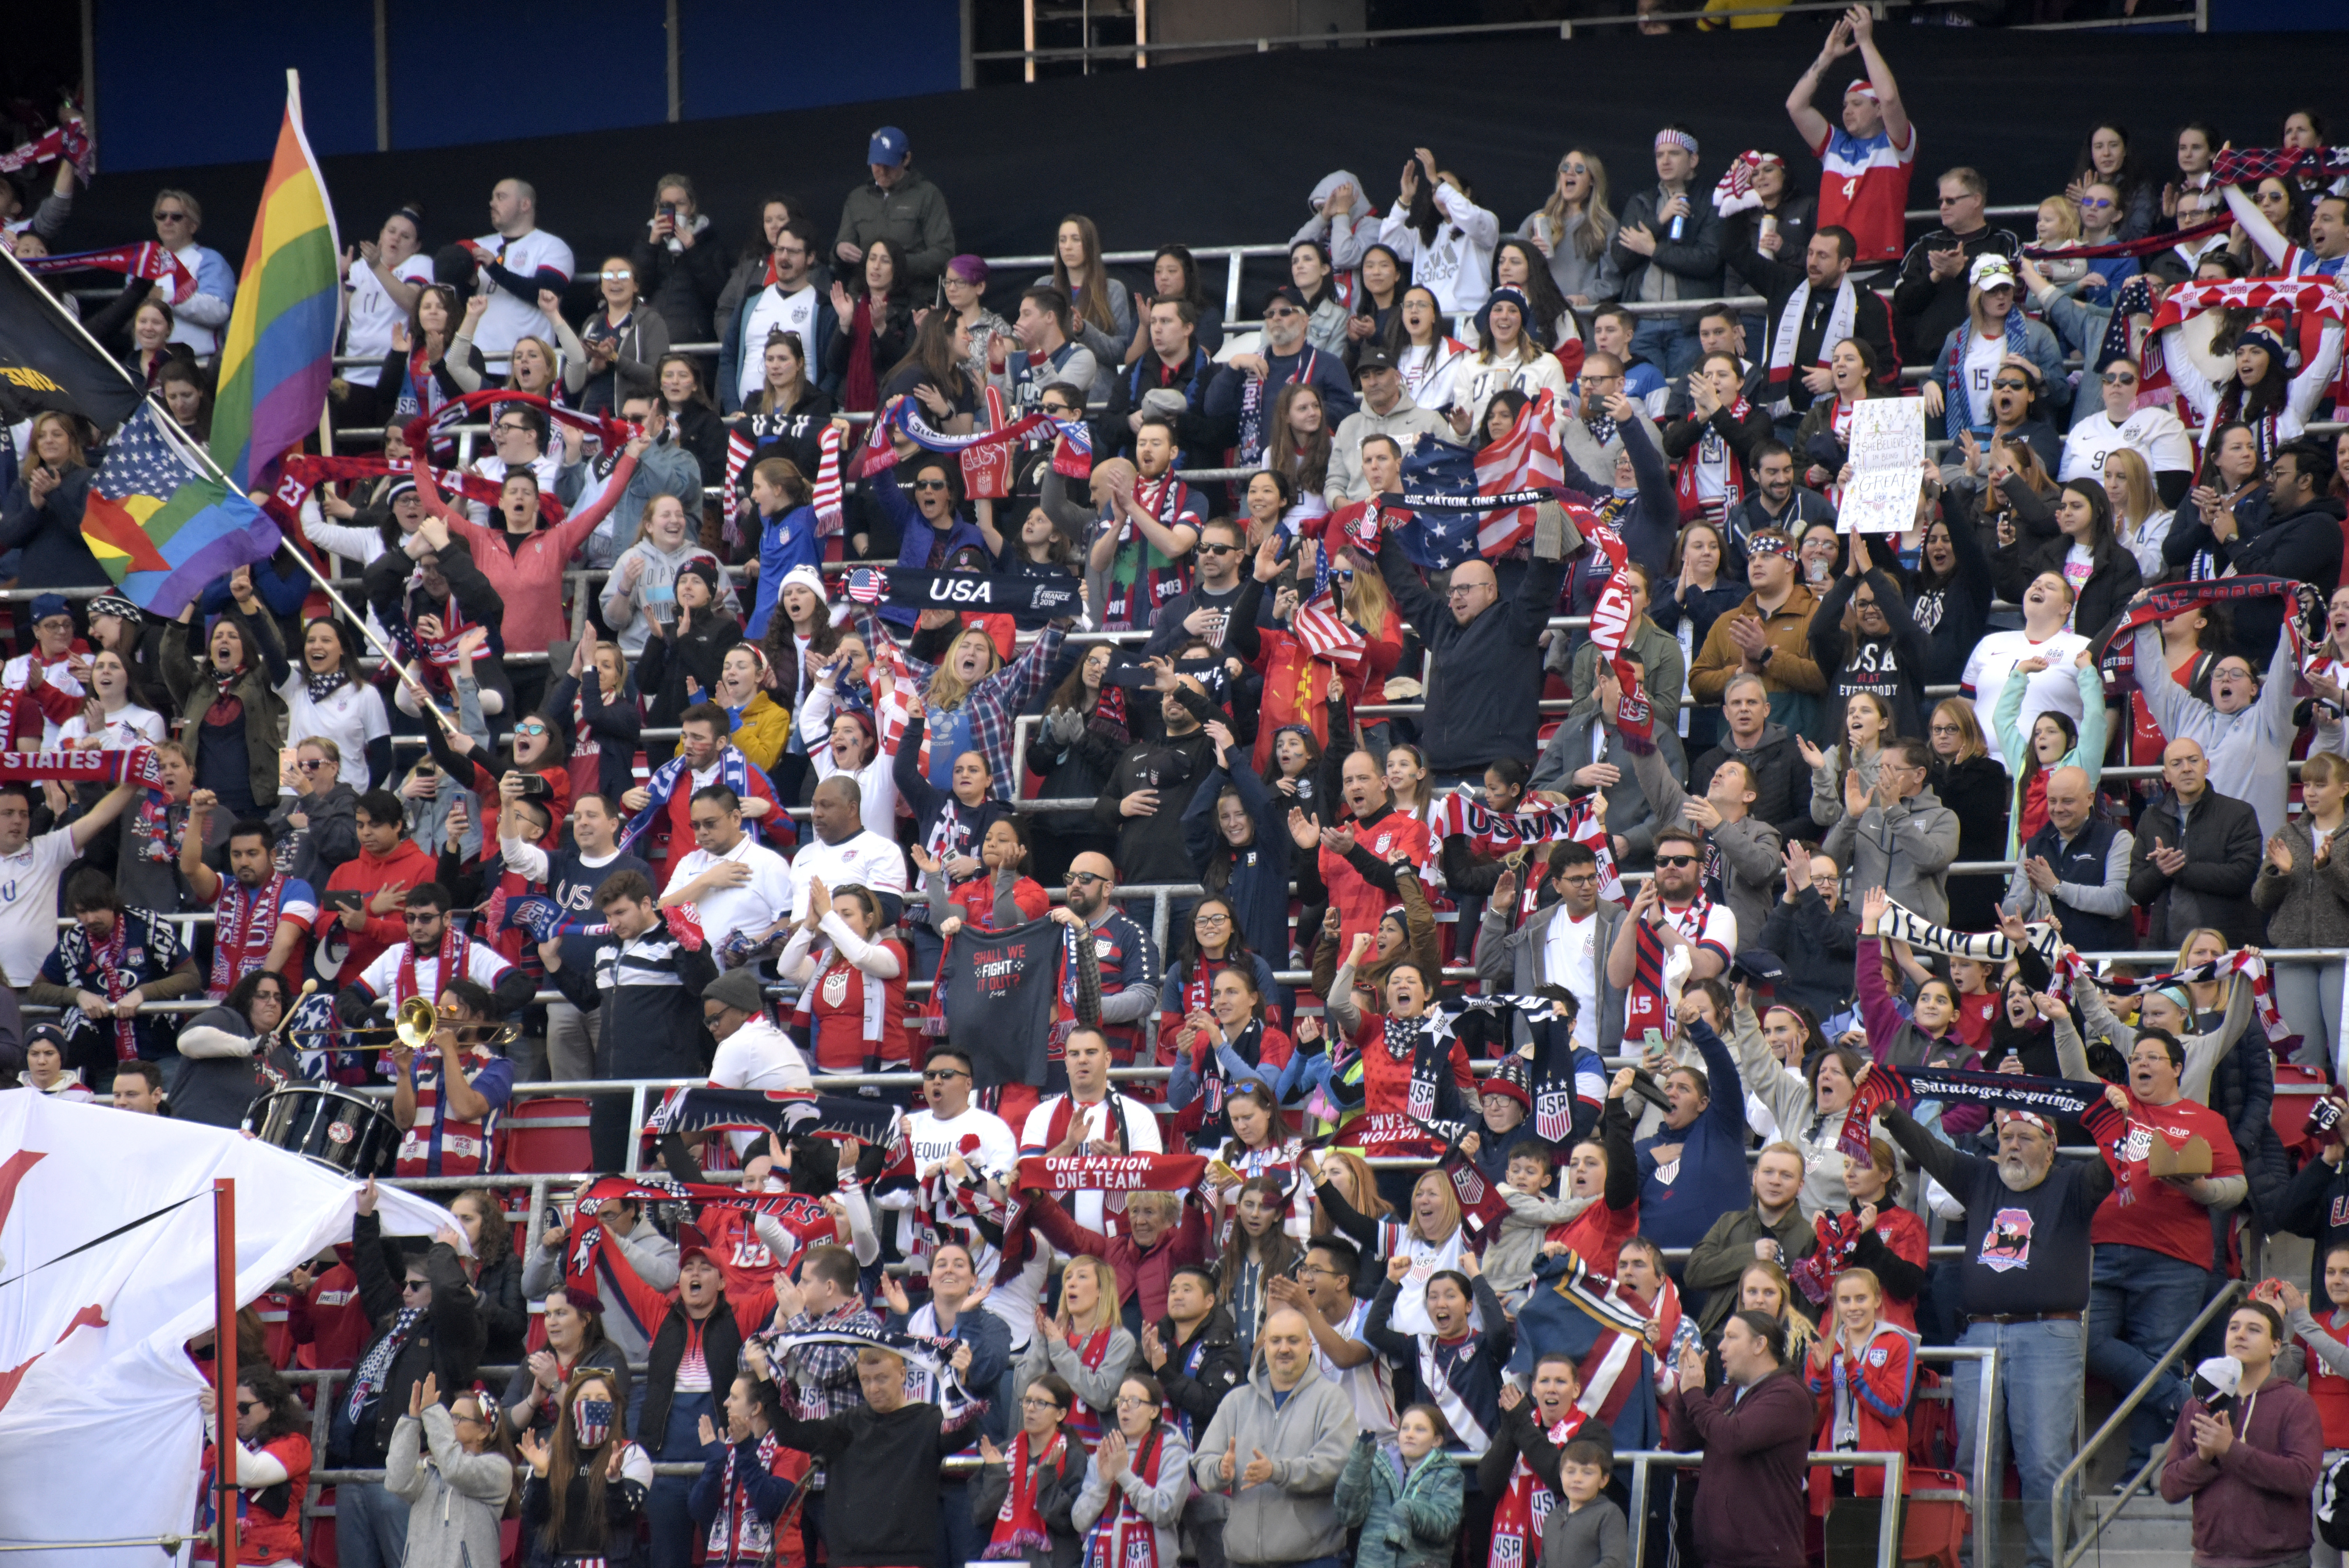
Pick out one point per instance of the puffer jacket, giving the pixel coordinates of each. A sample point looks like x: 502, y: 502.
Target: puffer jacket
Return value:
x: 1409, y: 1518
x: 2242, y: 1089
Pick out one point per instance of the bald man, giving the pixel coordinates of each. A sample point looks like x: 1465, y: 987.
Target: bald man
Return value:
x: 843, y: 850
x: 1484, y: 696
x: 2075, y: 868
x: 2196, y: 857
x: 520, y: 261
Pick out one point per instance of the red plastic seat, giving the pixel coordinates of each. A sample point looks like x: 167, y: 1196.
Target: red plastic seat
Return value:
x: 547, y: 1137
x: 2297, y: 1090
x: 1935, y: 1516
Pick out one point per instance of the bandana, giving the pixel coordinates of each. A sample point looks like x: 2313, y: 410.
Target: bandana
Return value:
x: 592, y: 1420
x: 1019, y: 1526
x: 1768, y: 544
x: 1679, y: 139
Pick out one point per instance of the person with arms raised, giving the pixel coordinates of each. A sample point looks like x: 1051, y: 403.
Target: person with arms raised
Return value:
x: 1865, y: 186
x: 1692, y: 1167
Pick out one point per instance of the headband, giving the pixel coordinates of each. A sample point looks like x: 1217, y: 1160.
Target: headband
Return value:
x: 1762, y: 544
x: 2033, y: 1117
x: 413, y: 216
x: 1761, y: 160
x: 1864, y: 88
x: 1680, y: 138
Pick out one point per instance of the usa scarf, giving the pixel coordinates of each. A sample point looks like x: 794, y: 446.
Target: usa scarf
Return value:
x: 1518, y: 1517
x: 830, y: 514
x: 2247, y: 165
x: 969, y: 592
x: 1713, y: 456
x: 2117, y: 656
x: 447, y: 964
x: 1955, y: 397
x: 733, y: 771
x: 834, y: 987
x: 1159, y: 577
x: 1427, y: 1047
x: 245, y: 925
x: 1071, y: 453
x: 1843, y: 317
x: 148, y: 259
x: 987, y: 471
x: 366, y: 1383
x: 1019, y: 1526
x: 1646, y: 1007
x: 106, y: 968
x: 302, y: 473
x: 1083, y: 1420
x: 2244, y: 965
x: 1121, y: 1537
x: 1250, y: 450
x: 421, y: 433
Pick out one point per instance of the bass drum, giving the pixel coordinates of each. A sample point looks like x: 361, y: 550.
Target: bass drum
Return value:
x: 342, y: 1133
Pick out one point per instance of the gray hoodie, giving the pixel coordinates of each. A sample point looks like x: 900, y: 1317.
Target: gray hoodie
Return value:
x: 1293, y: 1517
x: 454, y: 1499
x: 1905, y: 849
x: 1350, y: 234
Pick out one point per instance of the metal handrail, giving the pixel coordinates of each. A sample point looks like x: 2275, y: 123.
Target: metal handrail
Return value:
x: 2114, y: 1422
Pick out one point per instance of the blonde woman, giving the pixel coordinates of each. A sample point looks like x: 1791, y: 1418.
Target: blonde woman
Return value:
x: 972, y: 675
x: 1967, y: 780
x: 1572, y: 229
x: 643, y: 585
x: 2140, y: 523
x: 1085, y: 1346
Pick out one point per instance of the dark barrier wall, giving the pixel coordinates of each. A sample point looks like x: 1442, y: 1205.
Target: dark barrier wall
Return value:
x: 172, y: 91
x: 1226, y: 151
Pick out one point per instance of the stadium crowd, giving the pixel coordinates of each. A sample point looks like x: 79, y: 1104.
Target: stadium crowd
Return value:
x: 1636, y: 892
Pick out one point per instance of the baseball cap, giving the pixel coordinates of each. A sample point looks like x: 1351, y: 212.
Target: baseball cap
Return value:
x: 1371, y: 359
x: 1289, y: 293
x: 889, y: 148
x: 47, y: 605
x: 1991, y: 271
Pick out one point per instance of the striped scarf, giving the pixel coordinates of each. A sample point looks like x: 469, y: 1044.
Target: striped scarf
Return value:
x: 1959, y: 406
x: 733, y: 771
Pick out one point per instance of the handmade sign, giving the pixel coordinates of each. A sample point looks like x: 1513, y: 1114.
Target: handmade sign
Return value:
x: 1887, y: 466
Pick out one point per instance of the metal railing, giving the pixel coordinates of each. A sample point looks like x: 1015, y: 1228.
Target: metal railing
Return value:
x: 2115, y: 1422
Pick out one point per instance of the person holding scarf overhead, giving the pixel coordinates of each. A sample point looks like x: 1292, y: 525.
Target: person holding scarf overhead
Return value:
x: 416, y: 373
x: 1959, y: 394
x: 1136, y: 1485
x: 1024, y: 1496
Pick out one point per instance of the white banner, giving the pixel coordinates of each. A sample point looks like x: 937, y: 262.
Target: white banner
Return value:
x: 1887, y: 466
x: 106, y: 1271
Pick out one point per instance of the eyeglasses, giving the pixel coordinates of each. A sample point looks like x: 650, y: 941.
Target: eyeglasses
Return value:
x: 1824, y: 884
x: 1580, y: 878
x: 2120, y: 377
x: 1030, y: 1402
x: 1574, y: 169
x: 1946, y: 730
x: 1086, y: 879
x: 1211, y: 920
x: 1675, y: 860
x: 1128, y: 1402
x: 1597, y: 383
x: 1461, y: 590
x: 422, y: 916
x: 929, y: 484
x: 504, y: 428
x: 2011, y: 384
x: 940, y: 1075
x: 705, y: 824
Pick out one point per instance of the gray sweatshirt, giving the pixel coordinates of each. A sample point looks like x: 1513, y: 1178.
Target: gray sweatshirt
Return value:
x: 455, y: 1497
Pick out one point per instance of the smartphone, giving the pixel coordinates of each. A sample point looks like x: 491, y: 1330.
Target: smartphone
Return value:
x: 344, y: 897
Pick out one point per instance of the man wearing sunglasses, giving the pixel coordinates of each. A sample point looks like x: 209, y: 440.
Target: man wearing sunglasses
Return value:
x: 1930, y: 297
x: 435, y: 954
x: 1202, y: 610
x: 1284, y: 357
x: 957, y: 1148
x: 2152, y: 432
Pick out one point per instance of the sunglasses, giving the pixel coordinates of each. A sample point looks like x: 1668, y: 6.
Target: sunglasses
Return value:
x: 940, y: 1075
x: 1085, y: 879
x: 312, y: 764
x: 2094, y: 203
x: 409, y: 1285
x: 1574, y: 169
x: 1217, y: 549
x: 170, y: 217
x: 1059, y: 410
x: 1282, y: 314
x: 1676, y: 860
x: 713, y: 1015
x: 2120, y: 379
x: 244, y: 1405
x: 2010, y: 383
x: 929, y: 484
x: 422, y: 917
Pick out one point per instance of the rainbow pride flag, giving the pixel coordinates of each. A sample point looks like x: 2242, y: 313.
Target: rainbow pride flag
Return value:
x: 279, y: 354
x: 161, y: 527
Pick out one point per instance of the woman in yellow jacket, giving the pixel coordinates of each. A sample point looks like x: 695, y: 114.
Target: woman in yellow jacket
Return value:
x: 762, y: 728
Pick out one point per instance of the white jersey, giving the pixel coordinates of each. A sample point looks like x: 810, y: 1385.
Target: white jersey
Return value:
x: 868, y: 861
x: 18, y: 670
x: 351, y: 716
x: 369, y: 313
x: 2152, y: 433
x: 934, y: 1142
x: 1093, y: 1209
x: 750, y: 909
x: 28, y: 904
x: 1993, y: 659
x: 119, y: 731
x: 510, y: 318
x: 481, y: 966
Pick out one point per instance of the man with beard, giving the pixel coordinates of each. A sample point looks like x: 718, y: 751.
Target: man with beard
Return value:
x: 1129, y: 961
x: 1675, y: 909
x: 261, y: 916
x: 2022, y: 1208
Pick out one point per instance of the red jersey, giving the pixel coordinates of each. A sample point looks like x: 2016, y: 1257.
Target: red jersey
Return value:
x: 1864, y: 186
x: 1360, y: 903
x: 2142, y: 1211
x: 838, y: 1007
x: 268, y: 1519
x: 1598, y: 1231
x: 330, y: 1325
x: 748, y: 1262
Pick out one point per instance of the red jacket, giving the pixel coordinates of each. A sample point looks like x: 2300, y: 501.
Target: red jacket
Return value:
x: 1877, y: 1384
x: 407, y: 866
x: 1139, y: 1274
x: 528, y: 578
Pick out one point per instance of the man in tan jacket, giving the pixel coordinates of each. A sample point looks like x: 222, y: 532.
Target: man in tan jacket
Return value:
x: 1768, y: 635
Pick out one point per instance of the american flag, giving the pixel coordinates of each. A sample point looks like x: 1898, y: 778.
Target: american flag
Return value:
x: 738, y: 454
x: 1525, y: 458
x: 1323, y: 632
x: 141, y: 460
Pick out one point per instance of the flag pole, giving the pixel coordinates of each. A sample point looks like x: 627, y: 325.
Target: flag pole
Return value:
x: 196, y: 454
x: 225, y: 1414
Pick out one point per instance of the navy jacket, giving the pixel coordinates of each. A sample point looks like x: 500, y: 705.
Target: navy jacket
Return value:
x: 1258, y: 884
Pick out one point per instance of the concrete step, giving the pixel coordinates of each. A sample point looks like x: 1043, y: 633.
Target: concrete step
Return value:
x: 2146, y: 1523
